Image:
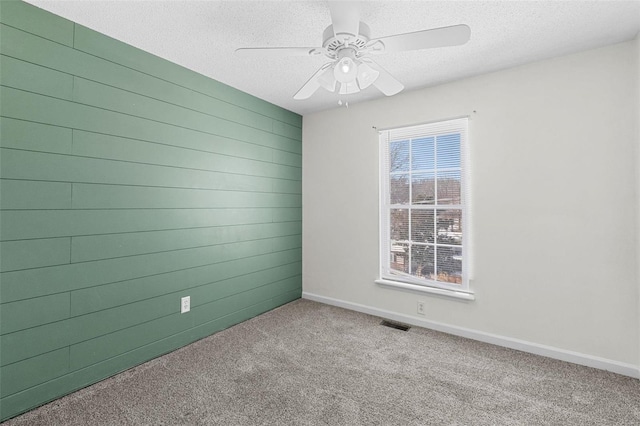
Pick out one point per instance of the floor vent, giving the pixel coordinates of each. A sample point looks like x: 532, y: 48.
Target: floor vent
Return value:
x: 395, y: 325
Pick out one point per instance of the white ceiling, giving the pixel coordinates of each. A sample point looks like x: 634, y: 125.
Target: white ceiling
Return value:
x: 202, y: 36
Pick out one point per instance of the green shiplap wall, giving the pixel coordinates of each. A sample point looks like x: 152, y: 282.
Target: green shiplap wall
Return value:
x: 127, y: 183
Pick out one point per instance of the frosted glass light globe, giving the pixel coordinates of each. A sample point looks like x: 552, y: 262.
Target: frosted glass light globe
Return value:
x: 345, y: 70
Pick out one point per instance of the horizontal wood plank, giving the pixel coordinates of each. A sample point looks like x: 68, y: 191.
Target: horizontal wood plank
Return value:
x: 288, y: 158
x: 286, y: 214
x: 239, y: 158
x: 140, y: 197
x: 16, y: 225
x: 284, y: 129
x: 34, y: 78
x: 16, y: 316
x: 119, y: 245
x: 286, y: 243
x: 31, y: 136
x: 115, y: 98
x: 31, y: 19
x: 21, y: 194
x: 180, y: 152
x: 229, y: 156
x: 30, y: 165
x: 226, y: 156
x: 28, y: 254
x: 35, y: 341
x: 33, y: 371
x: 287, y: 186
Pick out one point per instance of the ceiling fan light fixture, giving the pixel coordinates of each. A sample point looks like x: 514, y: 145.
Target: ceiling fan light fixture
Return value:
x: 348, y: 88
x: 346, y: 70
x: 366, y: 76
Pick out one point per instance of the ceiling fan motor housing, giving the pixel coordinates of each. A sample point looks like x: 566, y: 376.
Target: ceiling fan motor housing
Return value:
x: 334, y: 43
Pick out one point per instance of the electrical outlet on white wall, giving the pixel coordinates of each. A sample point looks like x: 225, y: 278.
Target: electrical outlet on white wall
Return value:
x: 185, y: 304
x: 420, y: 307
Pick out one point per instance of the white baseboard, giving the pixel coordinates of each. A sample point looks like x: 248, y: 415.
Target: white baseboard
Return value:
x: 508, y: 342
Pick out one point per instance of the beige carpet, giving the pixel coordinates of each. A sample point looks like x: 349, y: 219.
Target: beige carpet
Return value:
x: 312, y: 364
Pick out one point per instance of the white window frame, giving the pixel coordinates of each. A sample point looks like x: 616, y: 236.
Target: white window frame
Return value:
x: 407, y: 281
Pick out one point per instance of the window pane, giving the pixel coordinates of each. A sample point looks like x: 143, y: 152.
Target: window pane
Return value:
x: 422, y: 261
x: 449, y: 226
x: 422, y: 154
x: 399, y: 258
x: 399, y: 156
x: 448, y: 148
x: 399, y: 221
x: 422, y: 226
x: 449, y: 187
x: 399, y: 189
x: 450, y: 265
x: 423, y: 188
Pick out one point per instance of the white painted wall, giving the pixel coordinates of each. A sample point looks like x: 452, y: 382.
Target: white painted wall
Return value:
x: 637, y: 43
x: 554, y: 194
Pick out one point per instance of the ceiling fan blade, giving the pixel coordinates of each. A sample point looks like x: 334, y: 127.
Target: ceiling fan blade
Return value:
x: 426, y: 39
x: 385, y: 82
x: 313, y: 84
x: 263, y: 52
x: 345, y: 19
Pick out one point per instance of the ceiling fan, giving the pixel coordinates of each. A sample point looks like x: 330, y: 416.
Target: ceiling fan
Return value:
x: 347, y: 43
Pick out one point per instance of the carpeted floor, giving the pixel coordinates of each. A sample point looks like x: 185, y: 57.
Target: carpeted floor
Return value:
x: 311, y: 364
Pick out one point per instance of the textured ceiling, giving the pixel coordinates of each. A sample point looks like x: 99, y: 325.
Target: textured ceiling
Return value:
x: 202, y: 36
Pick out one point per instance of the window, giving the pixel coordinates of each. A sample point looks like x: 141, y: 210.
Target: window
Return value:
x: 423, y: 217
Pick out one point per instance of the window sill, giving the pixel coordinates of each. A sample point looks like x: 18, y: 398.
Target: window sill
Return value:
x: 423, y: 289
